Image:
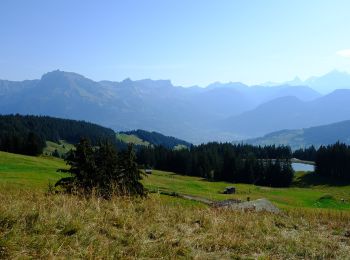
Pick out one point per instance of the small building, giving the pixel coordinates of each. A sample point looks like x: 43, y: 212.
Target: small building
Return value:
x: 230, y: 190
x: 148, y: 171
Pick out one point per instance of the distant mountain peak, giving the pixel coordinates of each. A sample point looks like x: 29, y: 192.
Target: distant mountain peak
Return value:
x: 59, y: 74
x: 218, y: 84
x: 333, y: 80
x: 127, y: 80
x: 295, y: 82
x: 333, y: 74
x: 324, y: 84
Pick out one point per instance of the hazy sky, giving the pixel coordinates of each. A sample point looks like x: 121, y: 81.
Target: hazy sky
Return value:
x: 189, y: 42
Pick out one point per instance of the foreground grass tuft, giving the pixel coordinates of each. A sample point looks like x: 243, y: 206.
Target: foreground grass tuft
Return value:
x: 36, y: 225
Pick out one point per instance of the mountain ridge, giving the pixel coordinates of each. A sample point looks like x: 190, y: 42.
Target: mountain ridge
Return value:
x: 195, y: 114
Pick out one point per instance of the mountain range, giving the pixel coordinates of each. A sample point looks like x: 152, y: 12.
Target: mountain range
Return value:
x: 291, y: 113
x: 221, y: 111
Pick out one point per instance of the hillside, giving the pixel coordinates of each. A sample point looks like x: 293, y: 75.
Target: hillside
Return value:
x: 29, y: 134
x: 36, y: 225
x: 24, y: 171
x: 145, y: 138
x: 36, y: 172
x: 34, y: 135
x: 316, y: 136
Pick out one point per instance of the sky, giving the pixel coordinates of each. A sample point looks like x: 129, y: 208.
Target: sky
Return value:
x: 190, y: 42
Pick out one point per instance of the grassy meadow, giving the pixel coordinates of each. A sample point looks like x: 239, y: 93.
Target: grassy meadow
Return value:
x: 320, y: 196
x: 315, y: 223
x: 29, y: 172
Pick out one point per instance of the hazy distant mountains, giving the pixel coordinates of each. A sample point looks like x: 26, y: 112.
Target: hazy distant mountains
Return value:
x: 217, y: 112
x: 319, y: 135
x: 324, y: 84
x: 291, y: 113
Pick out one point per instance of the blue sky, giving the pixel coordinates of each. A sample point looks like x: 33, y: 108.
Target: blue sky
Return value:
x: 190, y: 42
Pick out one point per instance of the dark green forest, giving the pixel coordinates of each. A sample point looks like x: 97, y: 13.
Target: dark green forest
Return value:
x: 269, y: 165
x: 157, y: 139
x: 333, y: 161
x: 28, y: 134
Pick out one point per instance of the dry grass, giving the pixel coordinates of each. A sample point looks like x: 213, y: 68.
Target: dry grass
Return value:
x: 33, y: 225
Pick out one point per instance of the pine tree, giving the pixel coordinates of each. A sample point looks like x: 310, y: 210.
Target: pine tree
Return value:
x: 82, y: 169
x: 106, y: 161
x: 129, y: 174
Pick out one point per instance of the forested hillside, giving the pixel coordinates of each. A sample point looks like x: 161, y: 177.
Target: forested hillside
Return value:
x: 142, y: 137
x: 28, y: 134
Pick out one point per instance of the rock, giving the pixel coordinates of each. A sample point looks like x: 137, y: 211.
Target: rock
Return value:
x: 225, y: 203
x: 254, y: 205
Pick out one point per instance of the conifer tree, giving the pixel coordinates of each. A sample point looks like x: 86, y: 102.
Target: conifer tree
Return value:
x: 103, y: 170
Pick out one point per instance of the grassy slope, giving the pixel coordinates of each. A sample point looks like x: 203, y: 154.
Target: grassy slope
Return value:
x: 39, y: 171
x: 37, y: 226
x: 34, y: 225
x: 28, y: 171
x: 310, y: 197
x: 131, y: 139
x: 62, y: 148
x: 180, y: 147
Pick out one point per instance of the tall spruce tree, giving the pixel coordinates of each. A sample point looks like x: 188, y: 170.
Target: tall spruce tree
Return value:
x: 129, y: 173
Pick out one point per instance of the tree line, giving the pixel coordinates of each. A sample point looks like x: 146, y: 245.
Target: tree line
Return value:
x: 306, y: 154
x: 330, y: 160
x: 333, y: 161
x: 268, y: 165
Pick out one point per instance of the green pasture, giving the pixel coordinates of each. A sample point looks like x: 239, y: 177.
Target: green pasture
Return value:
x: 28, y: 171
x: 311, y: 196
x: 308, y: 190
